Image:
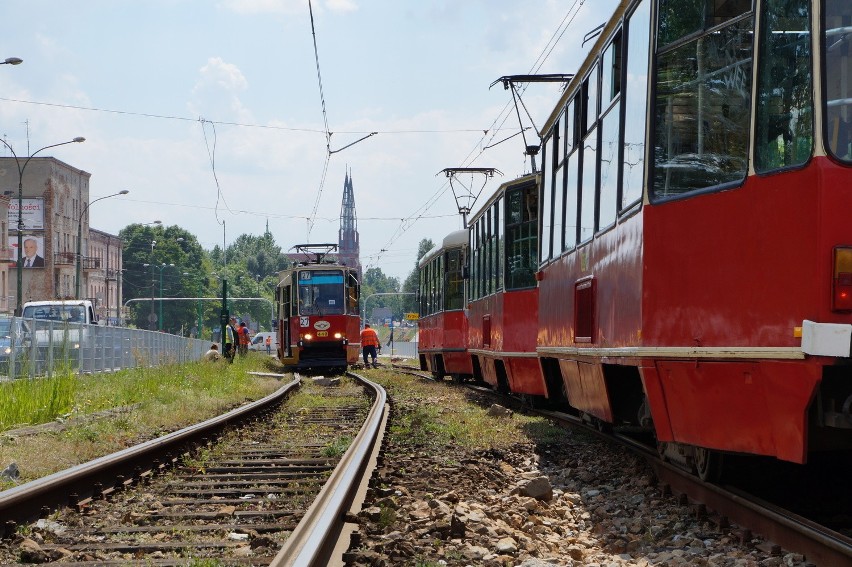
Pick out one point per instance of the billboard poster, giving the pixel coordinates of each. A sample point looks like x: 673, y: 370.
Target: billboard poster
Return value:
x: 32, y: 213
x: 33, y: 253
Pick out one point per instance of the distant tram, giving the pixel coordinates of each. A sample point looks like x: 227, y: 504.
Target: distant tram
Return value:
x: 442, y: 342
x: 318, y: 312
x: 503, y: 291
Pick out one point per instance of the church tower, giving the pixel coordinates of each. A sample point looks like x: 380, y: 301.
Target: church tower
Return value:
x: 348, y: 247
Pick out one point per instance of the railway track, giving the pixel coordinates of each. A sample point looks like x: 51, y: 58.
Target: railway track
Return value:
x: 720, y: 504
x: 282, y: 472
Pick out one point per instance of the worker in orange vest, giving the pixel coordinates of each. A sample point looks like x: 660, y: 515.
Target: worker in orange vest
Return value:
x: 369, y: 344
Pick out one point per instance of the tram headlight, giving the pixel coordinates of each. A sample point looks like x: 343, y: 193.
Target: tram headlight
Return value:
x: 338, y: 335
x: 308, y: 337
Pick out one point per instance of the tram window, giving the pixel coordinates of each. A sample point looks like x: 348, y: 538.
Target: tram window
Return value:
x: 784, y: 121
x: 500, y: 250
x: 570, y: 125
x: 610, y: 142
x: 682, y: 18
x: 635, y: 105
x: 703, y: 111
x: 321, y: 292
x: 611, y: 72
x: 837, y: 46
x: 546, y: 220
x: 571, y: 209
x: 587, y: 194
x: 454, y: 283
x: 590, y: 92
x: 521, y: 241
x: 488, y: 256
x: 558, y: 209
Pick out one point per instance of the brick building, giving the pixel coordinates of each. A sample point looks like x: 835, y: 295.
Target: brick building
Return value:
x: 103, y: 284
x: 54, y: 198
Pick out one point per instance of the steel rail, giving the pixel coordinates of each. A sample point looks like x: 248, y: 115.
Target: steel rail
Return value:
x: 314, y: 539
x: 819, y: 544
x: 34, y: 499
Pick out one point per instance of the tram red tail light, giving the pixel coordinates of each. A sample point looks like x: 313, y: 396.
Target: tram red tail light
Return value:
x: 841, y: 299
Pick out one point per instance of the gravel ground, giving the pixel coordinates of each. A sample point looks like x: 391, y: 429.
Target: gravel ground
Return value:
x: 580, y: 502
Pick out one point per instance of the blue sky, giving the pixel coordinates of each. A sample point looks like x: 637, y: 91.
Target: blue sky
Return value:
x: 137, y: 78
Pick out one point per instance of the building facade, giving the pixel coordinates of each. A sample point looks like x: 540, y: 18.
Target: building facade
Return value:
x: 102, y: 265
x: 51, y: 212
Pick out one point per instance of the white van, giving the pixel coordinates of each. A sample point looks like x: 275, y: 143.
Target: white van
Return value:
x: 258, y: 342
x: 59, y: 321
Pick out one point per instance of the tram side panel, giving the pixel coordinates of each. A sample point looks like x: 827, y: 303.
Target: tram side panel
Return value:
x: 442, y: 343
x: 505, y: 340
x: 590, y: 316
x: 752, y: 264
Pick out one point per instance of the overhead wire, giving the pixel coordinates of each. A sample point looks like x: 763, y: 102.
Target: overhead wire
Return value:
x: 496, y: 126
x: 325, y: 123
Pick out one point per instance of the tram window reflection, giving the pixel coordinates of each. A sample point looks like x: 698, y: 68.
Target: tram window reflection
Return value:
x: 837, y: 45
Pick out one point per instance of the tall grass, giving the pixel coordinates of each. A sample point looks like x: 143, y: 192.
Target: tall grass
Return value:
x: 169, y: 388
x: 27, y: 402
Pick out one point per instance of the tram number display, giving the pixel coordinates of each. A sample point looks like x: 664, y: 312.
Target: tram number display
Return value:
x: 412, y: 316
x: 304, y: 322
x: 322, y: 333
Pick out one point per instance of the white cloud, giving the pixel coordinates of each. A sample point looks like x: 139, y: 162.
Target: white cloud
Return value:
x: 222, y: 75
x: 287, y: 7
x: 341, y: 6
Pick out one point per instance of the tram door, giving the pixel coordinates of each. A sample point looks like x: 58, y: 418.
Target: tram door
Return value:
x: 284, y: 342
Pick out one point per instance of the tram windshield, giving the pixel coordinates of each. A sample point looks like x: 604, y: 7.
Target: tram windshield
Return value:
x: 837, y: 45
x: 321, y: 292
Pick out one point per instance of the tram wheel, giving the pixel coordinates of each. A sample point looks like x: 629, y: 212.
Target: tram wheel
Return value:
x: 708, y: 464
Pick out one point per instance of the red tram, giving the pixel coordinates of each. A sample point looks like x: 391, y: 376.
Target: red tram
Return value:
x: 318, y: 312
x: 502, y: 294
x: 695, y: 258
x: 442, y: 341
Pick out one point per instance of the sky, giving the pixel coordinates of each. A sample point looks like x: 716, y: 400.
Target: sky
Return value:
x: 211, y: 112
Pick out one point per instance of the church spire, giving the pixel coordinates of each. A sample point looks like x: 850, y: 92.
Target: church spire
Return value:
x: 349, y: 249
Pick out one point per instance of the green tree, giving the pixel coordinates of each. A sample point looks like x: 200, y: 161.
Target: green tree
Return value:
x: 163, y: 262
x: 412, y: 282
x: 375, y: 281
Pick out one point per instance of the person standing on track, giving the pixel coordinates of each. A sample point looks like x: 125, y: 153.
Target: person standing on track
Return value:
x: 369, y: 343
x: 244, y: 338
x: 229, y: 342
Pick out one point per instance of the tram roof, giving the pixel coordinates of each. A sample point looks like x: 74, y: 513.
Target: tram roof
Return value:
x: 452, y: 240
x: 591, y: 59
x: 523, y: 179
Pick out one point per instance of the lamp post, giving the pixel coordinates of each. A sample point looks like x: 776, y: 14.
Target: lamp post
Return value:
x: 12, y: 61
x: 161, y: 267
x: 80, y: 238
x: 21, y: 168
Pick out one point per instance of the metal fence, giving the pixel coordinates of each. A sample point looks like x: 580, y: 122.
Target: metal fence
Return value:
x: 404, y: 349
x: 35, y: 347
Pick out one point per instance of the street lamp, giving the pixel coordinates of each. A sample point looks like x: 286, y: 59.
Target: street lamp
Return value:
x: 21, y: 168
x: 80, y: 238
x: 12, y: 61
x: 161, y: 268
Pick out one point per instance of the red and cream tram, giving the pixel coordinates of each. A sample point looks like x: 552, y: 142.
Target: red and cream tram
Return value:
x: 318, y: 312
x: 695, y: 267
x: 442, y: 341
x: 502, y: 291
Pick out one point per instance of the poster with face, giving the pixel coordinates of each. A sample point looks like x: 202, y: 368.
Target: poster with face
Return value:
x: 33, y: 251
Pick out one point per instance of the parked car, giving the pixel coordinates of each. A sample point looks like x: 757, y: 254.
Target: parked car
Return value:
x: 6, y: 332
